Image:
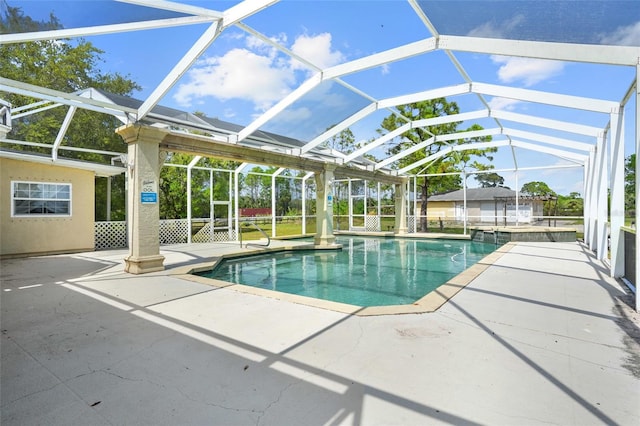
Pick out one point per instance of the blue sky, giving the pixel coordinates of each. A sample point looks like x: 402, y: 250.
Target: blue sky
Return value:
x: 239, y: 77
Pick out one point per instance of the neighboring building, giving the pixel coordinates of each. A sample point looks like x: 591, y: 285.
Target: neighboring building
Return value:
x: 47, y: 206
x: 485, y: 205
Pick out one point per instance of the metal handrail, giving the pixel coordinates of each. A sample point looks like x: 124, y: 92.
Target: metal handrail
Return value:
x: 259, y: 230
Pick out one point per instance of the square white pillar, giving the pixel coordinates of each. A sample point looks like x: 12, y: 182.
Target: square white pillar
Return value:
x: 324, y: 207
x: 143, y: 203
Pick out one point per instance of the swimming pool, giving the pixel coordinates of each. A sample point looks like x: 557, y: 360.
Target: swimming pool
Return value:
x: 366, y: 272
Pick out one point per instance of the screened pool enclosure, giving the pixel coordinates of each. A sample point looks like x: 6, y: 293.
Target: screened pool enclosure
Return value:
x: 499, y: 61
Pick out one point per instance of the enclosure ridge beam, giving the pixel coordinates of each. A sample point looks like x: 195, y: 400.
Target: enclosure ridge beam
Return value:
x: 548, y: 98
x: 579, y: 158
x: 548, y: 123
x: 567, y: 143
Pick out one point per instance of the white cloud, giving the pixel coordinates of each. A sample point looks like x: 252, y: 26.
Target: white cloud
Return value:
x: 294, y: 115
x: 257, y: 72
x: 491, y: 30
x: 241, y: 74
x: 503, y: 104
x: 317, y: 50
x: 526, y: 70
x: 625, y: 36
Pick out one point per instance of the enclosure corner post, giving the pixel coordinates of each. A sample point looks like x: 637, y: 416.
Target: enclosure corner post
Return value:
x: 401, y: 207
x: 324, y: 207
x: 144, y: 161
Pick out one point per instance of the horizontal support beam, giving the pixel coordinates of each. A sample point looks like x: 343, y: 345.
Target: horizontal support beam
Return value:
x: 378, y: 59
x: 572, y: 52
x: 202, y: 145
x: 101, y: 29
x: 32, y: 91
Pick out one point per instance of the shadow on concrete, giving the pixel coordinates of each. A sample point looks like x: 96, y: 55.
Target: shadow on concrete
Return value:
x: 102, y: 359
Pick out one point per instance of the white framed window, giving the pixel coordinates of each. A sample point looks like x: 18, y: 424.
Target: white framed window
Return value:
x: 29, y: 199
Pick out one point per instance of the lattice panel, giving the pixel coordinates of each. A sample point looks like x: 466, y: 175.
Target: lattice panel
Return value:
x: 110, y: 235
x: 372, y: 223
x: 174, y: 231
x: 411, y: 224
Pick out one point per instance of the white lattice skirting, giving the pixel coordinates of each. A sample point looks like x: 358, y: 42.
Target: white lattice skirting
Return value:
x: 110, y: 235
x: 113, y: 235
x: 372, y: 223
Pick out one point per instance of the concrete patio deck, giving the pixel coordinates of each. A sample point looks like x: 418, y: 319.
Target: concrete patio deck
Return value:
x: 542, y: 336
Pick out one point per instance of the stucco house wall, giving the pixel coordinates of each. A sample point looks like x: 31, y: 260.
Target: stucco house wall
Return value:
x: 488, y: 205
x: 440, y: 210
x: 46, y: 234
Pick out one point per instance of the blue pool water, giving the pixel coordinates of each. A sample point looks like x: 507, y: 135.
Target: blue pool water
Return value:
x: 366, y: 272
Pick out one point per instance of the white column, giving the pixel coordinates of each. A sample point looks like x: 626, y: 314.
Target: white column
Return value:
x: 601, y: 199
x: 617, y: 193
x: 586, y: 197
x: 401, y: 207
x: 304, y: 202
x: 350, y: 204
x: 324, y: 207
x: 236, y: 197
x: 637, y: 151
x: 273, y: 201
x: 212, y: 216
x: 464, y: 202
x: 517, y: 197
x: 190, y: 167
x: 145, y: 162
x: 108, y: 198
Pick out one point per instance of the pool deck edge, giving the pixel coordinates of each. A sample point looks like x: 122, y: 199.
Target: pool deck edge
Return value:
x: 431, y: 302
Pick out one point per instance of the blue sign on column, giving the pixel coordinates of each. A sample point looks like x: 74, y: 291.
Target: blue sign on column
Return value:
x: 148, y: 197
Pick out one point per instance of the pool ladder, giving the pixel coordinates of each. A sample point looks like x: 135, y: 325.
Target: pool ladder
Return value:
x: 259, y: 230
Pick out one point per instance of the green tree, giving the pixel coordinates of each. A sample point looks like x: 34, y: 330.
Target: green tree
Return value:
x: 537, y: 189
x: 253, y: 184
x: 489, y: 180
x: 456, y: 162
x: 173, y: 186
x: 630, y: 185
x: 570, y: 205
x: 344, y: 142
x: 66, y: 66
x: 542, y: 190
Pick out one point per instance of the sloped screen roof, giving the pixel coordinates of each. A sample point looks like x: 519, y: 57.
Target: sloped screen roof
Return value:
x: 542, y: 77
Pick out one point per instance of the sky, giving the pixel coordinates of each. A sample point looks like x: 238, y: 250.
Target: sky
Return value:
x: 239, y: 76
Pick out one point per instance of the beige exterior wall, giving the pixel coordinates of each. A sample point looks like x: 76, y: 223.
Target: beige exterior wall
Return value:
x: 38, y: 234
x: 440, y: 209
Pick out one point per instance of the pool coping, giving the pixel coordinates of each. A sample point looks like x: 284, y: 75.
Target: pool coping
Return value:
x: 431, y: 302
